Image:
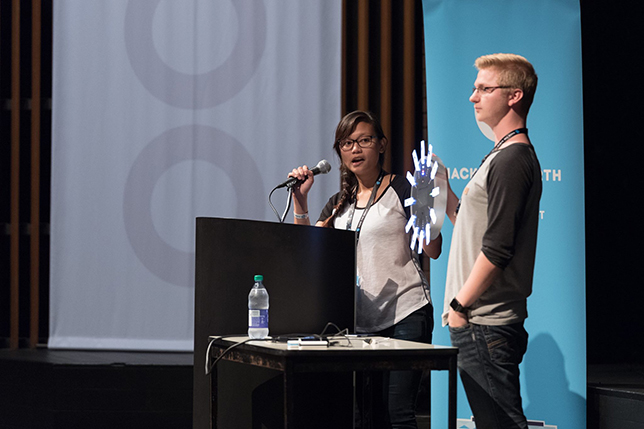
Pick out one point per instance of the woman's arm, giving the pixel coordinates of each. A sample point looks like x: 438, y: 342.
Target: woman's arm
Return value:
x: 434, y: 248
x: 300, y: 194
x: 452, y: 204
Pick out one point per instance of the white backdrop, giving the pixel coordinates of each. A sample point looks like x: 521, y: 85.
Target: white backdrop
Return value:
x: 165, y: 111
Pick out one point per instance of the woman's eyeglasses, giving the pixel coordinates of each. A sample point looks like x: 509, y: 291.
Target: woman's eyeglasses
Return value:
x: 364, y: 142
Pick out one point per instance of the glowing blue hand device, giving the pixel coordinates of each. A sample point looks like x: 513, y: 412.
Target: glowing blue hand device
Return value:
x: 428, y: 197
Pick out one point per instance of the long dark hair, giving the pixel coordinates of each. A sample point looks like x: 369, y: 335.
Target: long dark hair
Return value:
x: 348, y: 180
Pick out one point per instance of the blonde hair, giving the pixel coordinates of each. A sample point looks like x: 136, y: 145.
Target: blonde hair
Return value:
x: 514, y: 71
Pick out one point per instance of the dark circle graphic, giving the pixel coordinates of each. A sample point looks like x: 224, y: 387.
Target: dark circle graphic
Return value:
x: 190, y: 142
x: 195, y: 91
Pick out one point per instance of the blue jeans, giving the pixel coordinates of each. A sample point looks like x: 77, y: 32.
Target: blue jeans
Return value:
x: 488, y: 362
x: 401, y: 387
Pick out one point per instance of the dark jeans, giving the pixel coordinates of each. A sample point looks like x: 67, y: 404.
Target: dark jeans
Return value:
x: 401, y: 387
x: 488, y: 362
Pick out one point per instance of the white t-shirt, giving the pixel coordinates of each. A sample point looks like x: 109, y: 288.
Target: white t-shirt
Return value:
x: 390, y: 285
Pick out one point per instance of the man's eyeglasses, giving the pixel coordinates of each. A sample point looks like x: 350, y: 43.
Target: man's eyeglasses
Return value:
x: 364, y: 142
x: 487, y: 89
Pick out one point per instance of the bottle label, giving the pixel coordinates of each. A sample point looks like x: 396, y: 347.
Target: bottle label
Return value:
x: 258, y: 319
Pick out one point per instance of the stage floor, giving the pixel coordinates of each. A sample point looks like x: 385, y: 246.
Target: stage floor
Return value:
x: 615, y: 396
x: 95, y: 389
x: 106, y: 389
x: 96, y: 357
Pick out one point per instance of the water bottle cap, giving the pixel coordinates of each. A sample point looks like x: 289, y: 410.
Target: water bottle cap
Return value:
x: 259, y: 278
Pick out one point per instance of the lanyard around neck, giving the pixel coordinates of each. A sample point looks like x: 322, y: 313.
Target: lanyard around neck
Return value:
x: 372, y: 198
x: 508, y: 136
x: 504, y: 139
x: 496, y: 148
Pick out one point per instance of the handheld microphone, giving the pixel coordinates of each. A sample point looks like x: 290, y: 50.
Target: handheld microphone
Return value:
x: 323, y: 167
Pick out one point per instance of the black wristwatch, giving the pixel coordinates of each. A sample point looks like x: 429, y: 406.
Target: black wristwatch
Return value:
x: 456, y: 306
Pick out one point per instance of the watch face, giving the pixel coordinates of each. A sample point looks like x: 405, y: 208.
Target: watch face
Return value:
x: 456, y: 306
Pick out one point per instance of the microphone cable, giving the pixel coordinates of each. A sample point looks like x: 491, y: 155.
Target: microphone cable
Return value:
x: 322, y: 167
x: 289, y: 200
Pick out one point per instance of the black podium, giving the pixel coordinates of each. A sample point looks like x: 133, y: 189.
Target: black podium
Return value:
x: 309, y: 273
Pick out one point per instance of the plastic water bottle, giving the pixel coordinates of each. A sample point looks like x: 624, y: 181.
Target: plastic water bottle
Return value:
x: 258, y: 310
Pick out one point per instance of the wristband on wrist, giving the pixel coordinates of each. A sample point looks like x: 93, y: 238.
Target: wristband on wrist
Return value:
x: 301, y: 216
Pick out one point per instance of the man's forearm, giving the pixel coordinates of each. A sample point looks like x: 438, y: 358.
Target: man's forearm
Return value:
x: 483, y: 274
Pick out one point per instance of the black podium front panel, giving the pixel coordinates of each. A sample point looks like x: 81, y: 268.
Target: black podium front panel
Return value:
x: 309, y: 273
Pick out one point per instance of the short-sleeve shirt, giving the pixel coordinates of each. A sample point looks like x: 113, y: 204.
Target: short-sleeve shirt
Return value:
x: 390, y: 284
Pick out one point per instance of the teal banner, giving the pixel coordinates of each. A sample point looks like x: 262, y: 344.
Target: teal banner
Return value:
x: 548, y: 34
